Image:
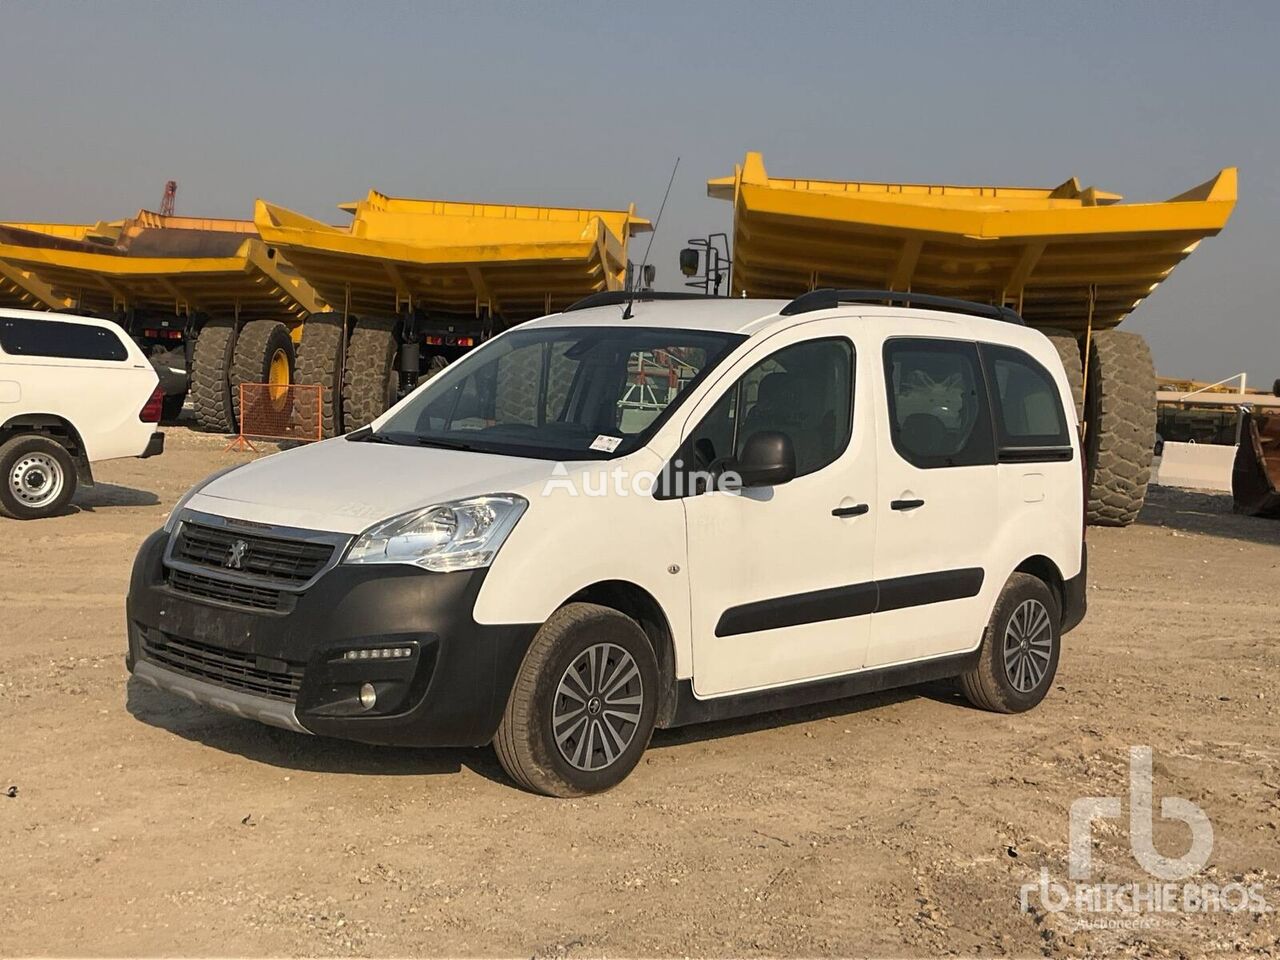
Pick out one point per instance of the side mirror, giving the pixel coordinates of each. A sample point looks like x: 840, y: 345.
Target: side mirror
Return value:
x: 768, y: 460
x: 689, y: 262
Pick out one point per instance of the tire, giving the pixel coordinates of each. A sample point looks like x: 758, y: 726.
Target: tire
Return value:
x: 262, y: 349
x: 39, y: 477
x: 173, y: 404
x: 1121, y: 426
x: 373, y: 380
x: 211, y: 360
x: 1068, y: 348
x: 1026, y: 610
x: 526, y: 741
x: 320, y: 363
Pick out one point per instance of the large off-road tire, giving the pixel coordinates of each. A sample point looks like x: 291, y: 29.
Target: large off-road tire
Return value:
x: 37, y: 477
x: 582, y: 709
x: 211, y: 361
x: 1020, y: 649
x: 264, y: 354
x: 1068, y: 348
x: 320, y: 363
x: 1120, y: 433
x: 373, y: 379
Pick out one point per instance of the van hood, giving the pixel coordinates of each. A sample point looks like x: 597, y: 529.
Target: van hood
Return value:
x: 346, y: 487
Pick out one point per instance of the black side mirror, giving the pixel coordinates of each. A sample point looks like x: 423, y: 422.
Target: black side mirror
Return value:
x: 768, y: 460
x: 689, y: 262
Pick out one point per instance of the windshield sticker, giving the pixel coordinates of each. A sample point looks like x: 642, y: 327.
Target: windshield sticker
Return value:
x: 607, y: 444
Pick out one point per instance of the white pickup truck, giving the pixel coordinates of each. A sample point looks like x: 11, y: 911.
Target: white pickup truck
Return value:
x: 73, y: 391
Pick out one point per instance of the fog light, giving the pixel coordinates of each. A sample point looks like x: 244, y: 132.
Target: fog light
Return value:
x: 383, y: 653
x: 368, y: 696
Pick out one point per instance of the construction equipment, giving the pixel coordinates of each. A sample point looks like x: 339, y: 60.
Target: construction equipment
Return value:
x: 209, y: 302
x: 414, y: 284
x: 1073, y: 261
x: 1255, y: 476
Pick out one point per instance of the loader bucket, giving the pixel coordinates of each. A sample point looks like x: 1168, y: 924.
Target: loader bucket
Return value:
x: 1255, y: 477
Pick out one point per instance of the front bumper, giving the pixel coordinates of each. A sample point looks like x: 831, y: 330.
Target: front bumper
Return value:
x: 285, y: 666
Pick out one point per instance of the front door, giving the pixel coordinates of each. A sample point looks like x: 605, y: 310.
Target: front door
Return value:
x: 780, y: 577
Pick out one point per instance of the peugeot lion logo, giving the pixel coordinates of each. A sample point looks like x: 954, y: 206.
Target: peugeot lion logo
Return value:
x: 235, y: 556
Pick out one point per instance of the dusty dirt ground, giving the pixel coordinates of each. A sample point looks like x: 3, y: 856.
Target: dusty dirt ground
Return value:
x: 898, y: 825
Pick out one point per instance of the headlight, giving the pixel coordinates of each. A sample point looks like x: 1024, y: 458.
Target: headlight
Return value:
x: 172, y: 518
x: 461, y: 535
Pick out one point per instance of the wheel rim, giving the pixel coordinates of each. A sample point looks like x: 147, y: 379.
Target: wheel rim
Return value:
x: 598, y: 705
x: 1028, y: 645
x: 278, y: 376
x: 36, y: 480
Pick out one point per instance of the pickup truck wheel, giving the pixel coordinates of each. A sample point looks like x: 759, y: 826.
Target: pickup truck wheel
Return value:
x: 1019, y: 655
x: 583, y: 705
x: 39, y: 477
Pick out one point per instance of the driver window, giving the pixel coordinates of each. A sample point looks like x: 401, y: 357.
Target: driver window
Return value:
x: 804, y: 391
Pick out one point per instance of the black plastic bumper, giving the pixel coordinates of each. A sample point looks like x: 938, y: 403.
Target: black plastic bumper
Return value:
x: 155, y: 446
x: 1074, y: 601
x: 450, y: 692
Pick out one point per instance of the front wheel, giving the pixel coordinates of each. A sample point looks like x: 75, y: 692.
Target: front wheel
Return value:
x: 1019, y: 655
x: 582, y: 709
x: 39, y: 477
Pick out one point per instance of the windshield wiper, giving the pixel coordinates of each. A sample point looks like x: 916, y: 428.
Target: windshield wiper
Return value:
x: 443, y: 444
x: 366, y: 435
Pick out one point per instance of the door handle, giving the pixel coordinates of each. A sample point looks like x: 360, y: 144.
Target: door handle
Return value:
x: 905, y: 504
x: 857, y: 510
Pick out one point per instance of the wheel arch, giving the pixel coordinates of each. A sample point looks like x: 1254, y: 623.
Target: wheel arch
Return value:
x: 640, y: 605
x: 54, y: 427
x: 1046, y: 571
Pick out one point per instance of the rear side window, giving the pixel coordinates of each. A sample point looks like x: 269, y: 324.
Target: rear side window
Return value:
x: 938, y: 407
x: 1030, y: 422
x: 48, y: 338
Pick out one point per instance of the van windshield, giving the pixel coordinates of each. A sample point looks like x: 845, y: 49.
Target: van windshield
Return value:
x: 564, y: 393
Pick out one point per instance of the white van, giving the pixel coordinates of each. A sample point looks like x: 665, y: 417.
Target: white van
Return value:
x: 73, y: 391
x: 619, y: 517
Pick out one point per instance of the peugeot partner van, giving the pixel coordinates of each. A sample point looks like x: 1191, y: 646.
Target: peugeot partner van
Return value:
x: 637, y: 515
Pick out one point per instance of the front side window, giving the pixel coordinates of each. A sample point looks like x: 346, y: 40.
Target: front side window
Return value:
x: 1029, y: 417
x: 938, y: 414
x: 560, y: 393
x: 52, y: 338
x: 804, y: 391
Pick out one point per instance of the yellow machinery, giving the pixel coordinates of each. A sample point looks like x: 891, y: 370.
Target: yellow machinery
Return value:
x: 209, y: 301
x: 415, y: 283
x: 21, y: 289
x: 1074, y: 261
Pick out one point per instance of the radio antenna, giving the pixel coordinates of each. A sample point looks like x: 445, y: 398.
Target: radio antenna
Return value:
x: 626, y: 314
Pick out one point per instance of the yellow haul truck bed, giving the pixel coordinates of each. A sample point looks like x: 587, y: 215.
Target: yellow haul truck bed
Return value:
x: 1074, y: 261
x: 415, y: 283
x: 209, y: 301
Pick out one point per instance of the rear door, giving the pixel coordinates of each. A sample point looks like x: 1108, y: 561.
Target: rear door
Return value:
x: 780, y: 577
x: 937, y: 496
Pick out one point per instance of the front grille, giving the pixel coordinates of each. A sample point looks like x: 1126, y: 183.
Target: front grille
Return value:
x: 227, y: 668
x: 240, y: 594
x: 292, y: 561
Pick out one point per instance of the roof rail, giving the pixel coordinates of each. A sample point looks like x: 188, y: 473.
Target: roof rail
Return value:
x: 828, y: 297
x: 610, y: 298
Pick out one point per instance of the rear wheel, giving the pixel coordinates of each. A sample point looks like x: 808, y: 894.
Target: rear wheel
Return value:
x: 373, y: 381
x: 211, y: 360
x: 582, y: 709
x: 1121, y: 426
x: 264, y: 354
x: 1019, y: 655
x: 320, y: 363
x: 39, y: 477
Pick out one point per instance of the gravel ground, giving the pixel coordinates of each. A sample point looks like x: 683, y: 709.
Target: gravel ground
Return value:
x: 902, y: 824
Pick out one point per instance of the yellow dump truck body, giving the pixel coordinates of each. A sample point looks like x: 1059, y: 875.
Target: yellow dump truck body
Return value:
x: 442, y: 256
x: 160, y: 264
x: 1065, y: 256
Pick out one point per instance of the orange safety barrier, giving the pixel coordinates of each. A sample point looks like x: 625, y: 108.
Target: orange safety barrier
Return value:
x: 275, y: 411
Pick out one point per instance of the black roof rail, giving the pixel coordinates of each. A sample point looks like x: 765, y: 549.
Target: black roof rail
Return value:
x: 828, y: 297
x: 612, y: 298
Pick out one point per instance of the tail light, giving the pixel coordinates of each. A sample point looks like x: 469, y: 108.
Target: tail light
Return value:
x: 152, y: 409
